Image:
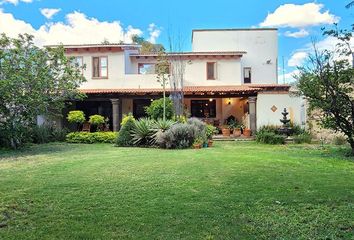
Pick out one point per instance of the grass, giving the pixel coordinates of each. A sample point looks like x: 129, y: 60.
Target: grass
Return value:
x: 231, y: 191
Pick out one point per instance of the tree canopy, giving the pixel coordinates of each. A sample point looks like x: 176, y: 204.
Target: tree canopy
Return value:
x: 327, y: 81
x: 33, y: 81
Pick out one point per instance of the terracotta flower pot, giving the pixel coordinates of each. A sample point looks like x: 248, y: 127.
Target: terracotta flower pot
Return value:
x: 237, y: 132
x: 197, y: 146
x: 247, y: 132
x: 210, y: 143
x: 225, y: 132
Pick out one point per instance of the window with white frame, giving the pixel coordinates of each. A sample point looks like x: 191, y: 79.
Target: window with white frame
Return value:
x: 99, y: 67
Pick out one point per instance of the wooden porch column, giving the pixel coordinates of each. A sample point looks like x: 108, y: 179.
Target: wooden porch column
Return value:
x: 252, y: 113
x: 115, y: 114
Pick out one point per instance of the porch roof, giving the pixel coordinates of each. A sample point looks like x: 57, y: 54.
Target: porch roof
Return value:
x: 191, y: 90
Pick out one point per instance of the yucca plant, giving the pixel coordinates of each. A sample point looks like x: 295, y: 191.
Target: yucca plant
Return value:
x: 163, y: 125
x: 143, y: 132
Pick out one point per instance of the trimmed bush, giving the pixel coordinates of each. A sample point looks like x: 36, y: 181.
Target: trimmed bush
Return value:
x: 303, y: 138
x: 210, y: 131
x: 96, y: 120
x: 76, y: 117
x: 125, y: 138
x: 155, y: 110
x: 269, y: 138
x: 88, y: 137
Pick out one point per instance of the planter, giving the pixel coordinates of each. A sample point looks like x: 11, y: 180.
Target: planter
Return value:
x: 247, y: 132
x: 197, y: 146
x: 210, y: 143
x: 205, y: 145
x: 237, y: 132
x: 225, y: 132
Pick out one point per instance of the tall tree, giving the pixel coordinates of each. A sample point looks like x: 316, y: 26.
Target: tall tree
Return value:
x: 327, y: 81
x: 163, y: 76
x: 33, y: 81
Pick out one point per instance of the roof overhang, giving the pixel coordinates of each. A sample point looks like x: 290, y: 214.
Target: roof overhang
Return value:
x: 187, y: 55
x: 221, y: 91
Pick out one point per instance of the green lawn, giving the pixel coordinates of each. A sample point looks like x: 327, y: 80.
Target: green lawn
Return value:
x: 231, y: 191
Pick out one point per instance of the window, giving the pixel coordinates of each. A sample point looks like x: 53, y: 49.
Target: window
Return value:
x: 203, y: 108
x: 146, y: 68
x: 78, y: 62
x: 211, y: 70
x: 247, y: 75
x: 100, y: 67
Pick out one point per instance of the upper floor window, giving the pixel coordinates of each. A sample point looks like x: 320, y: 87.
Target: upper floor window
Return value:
x: 100, y: 67
x: 211, y: 70
x: 247, y: 75
x: 146, y: 68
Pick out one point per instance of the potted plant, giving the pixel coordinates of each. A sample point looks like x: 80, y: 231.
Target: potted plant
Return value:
x: 197, y: 144
x: 237, y: 131
x: 232, y: 125
x: 210, y: 131
x: 247, y: 132
x: 225, y: 129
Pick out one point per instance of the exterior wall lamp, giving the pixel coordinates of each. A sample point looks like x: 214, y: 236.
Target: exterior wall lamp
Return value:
x: 229, y: 101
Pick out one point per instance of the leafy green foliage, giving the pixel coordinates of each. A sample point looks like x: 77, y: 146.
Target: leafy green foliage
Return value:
x: 210, y: 131
x: 33, y: 81
x: 76, y: 116
x: 125, y: 138
x: 327, y: 82
x: 155, y: 110
x: 88, y: 137
x: 96, y: 120
x: 143, y: 132
x: 126, y: 118
x: 47, y: 133
x: 269, y: 138
x: 303, y: 138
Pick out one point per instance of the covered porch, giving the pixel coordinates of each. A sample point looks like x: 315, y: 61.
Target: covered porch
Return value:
x: 213, y: 104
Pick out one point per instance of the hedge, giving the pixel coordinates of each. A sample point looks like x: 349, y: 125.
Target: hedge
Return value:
x: 95, y: 137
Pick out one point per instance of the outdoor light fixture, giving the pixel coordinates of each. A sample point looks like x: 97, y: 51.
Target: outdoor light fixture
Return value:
x: 210, y: 99
x: 229, y: 101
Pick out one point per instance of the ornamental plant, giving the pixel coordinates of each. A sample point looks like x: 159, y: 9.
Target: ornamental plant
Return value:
x: 77, y: 117
x: 96, y: 120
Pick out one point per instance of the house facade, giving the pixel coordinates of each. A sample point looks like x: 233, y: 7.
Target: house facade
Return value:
x: 228, y: 73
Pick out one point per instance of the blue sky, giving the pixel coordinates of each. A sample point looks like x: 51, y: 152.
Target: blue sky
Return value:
x: 87, y: 21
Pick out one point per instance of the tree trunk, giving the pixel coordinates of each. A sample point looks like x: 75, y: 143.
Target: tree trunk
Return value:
x: 164, y: 102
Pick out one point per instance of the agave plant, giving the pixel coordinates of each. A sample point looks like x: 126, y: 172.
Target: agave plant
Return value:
x: 163, y: 125
x: 143, y: 132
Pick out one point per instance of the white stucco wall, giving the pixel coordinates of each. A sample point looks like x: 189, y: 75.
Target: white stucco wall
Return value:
x: 261, y: 45
x: 294, y: 105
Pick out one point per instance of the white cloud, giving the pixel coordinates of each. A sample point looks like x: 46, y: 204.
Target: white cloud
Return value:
x: 288, y: 77
x: 76, y: 29
x: 49, y: 12
x: 15, y: 2
x: 154, y: 32
x: 299, y: 34
x: 299, y: 16
x: 297, y: 59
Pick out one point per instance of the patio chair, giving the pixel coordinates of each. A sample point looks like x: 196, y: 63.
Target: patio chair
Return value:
x: 86, y: 127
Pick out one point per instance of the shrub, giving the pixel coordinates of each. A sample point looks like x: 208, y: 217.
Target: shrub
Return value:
x: 126, y: 118
x: 199, y: 127
x: 96, y: 120
x: 142, y: 132
x: 179, y: 136
x: 297, y: 129
x: 76, y: 117
x: 155, y: 110
x: 46, y: 133
x: 125, y: 138
x: 303, y: 138
x: 88, y: 137
x: 210, y: 131
x: 268, y: 128
x: 339, y: 140
x: 269, y: 138
x: 163, y: 125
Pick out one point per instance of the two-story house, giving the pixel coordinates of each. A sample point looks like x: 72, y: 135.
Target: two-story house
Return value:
x: 230, y: 72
